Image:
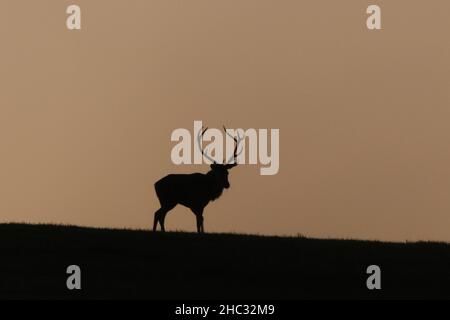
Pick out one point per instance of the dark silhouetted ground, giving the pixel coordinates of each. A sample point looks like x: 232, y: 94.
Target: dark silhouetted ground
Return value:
x: 142, y: 264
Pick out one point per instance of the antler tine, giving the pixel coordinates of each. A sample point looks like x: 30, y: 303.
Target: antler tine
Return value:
x: 237, y: 141
x: 200, y: 134
x: 228, y: 134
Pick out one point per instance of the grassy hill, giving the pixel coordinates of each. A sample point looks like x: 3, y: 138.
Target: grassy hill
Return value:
x: 141, y: 264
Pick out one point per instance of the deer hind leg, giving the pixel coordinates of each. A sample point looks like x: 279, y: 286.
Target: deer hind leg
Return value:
x: 156, y: 219
x: 160, y: 216
x: 161, y: 220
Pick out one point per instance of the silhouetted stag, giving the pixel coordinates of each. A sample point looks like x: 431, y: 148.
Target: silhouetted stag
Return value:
x: 194, y: 190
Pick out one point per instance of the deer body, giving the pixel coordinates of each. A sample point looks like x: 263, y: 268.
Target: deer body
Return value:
x: 193, y: 191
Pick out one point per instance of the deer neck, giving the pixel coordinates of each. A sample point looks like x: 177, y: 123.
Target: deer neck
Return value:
x: 216, y: 189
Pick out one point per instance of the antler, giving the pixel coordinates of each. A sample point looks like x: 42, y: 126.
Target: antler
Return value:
x: 199, y: 144
x: 235, y: 154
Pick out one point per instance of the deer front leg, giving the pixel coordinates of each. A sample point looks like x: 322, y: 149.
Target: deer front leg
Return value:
x: 199, y: 223
x: 199, y: 216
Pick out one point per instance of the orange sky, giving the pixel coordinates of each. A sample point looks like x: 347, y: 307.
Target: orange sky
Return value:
x: 86, y: 116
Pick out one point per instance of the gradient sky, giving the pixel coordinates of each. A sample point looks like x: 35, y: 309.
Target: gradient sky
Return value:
x: 86, y: 116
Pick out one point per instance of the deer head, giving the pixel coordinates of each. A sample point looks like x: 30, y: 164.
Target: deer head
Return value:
x: 220, y: 171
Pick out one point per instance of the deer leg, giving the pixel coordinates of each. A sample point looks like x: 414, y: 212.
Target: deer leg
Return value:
x: 161, y: 220
x: 160, y: 215
x: 199, y: 216
x: 156, y: 219
x: 199, y: 223
x: 202, y: 228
